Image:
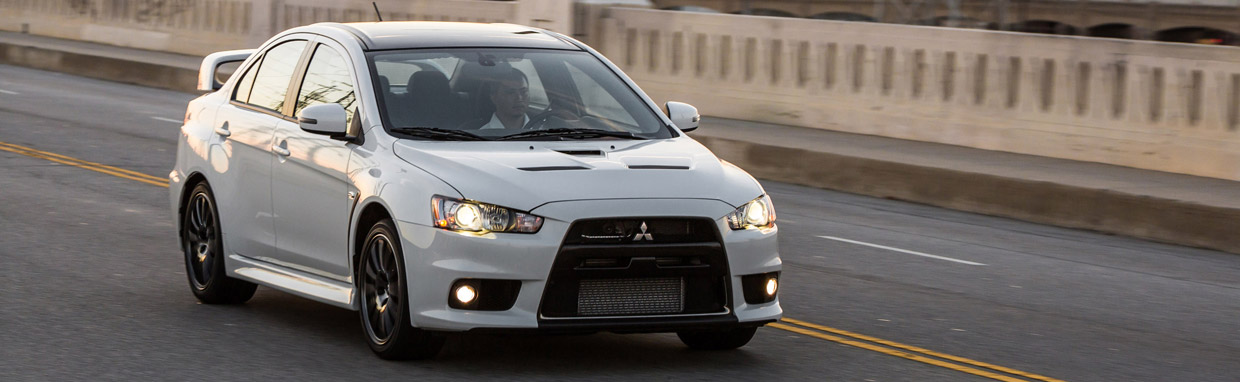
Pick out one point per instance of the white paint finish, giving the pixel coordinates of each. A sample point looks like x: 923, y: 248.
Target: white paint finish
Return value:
x: 166, y: 120
x: 915, y: 253
x: 211, y: 64
x: 492, y: 172
x: 290, y: 214
x: 243, y: 158
x: 309, y: 191
x: 306, y: 285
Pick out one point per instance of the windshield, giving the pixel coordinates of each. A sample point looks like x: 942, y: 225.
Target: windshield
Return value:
x: 491, y: 94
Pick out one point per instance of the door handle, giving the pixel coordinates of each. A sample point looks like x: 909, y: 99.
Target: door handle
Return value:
x: 223, y: 130
x: 280, y: 150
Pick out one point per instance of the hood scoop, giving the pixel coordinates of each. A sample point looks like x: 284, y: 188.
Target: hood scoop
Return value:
x: 553, y: 168
x: 657, y: 167
x: 581, y: 153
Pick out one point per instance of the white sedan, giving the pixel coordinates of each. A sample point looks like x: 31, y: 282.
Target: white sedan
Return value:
x: 453, y: 177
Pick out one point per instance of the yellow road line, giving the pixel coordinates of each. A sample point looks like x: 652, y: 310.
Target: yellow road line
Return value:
x: 156, y: 181
x: 98, y: 167
x: 897, y: 353
x: 921, y: 350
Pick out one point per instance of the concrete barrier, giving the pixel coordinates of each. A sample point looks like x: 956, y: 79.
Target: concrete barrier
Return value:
x: 1167, y: 107
x: 1168, y: 220
x: 110, y: 68
x: 200, y: 27
x: 1159, y: 106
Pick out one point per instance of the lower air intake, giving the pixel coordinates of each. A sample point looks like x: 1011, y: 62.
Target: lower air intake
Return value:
x: 627, y: 297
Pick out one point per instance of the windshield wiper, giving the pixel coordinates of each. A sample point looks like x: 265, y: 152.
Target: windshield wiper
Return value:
x: 438, y: 134
x: 570, y: 133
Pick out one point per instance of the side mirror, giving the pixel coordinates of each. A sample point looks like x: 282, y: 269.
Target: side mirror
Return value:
x: 683, y: 115
x: 327, y: 119
x: 212, y: 62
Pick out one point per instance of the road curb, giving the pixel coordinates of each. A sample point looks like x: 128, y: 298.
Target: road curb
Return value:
x: 104, y: 68
x: 1102, y: 210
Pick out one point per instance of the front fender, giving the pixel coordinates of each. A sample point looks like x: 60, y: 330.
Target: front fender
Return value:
x: 381, y: 180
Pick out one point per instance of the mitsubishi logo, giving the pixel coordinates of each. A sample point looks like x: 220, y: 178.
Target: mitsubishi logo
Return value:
x: 643, y: 235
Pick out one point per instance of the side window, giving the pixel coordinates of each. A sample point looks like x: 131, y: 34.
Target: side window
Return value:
x: 272, y: 80
x: 327, y: 81
x: 242, y: 93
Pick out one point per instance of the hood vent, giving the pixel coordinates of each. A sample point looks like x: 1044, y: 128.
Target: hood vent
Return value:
x: 592, y: 153
x: 553, y: 168
x: 657, y: 167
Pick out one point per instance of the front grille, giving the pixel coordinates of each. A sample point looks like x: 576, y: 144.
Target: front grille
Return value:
x: 629, y: 266
x: 622, y: 297
x: 637, y: 231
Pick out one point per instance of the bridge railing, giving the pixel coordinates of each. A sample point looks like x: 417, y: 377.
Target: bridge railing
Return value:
x: 183, y: 26
x: 1169, y: 107
x: 200, y: 27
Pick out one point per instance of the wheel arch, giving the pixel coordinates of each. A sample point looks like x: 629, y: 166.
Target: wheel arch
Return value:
x: 191, y: 181
x: 372, y: 212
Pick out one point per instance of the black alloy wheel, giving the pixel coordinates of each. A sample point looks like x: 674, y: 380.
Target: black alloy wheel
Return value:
x: 204, y: 252
x: 384, y: 309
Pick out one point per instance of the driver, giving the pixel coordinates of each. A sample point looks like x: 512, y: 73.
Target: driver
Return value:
x: 510, y: 93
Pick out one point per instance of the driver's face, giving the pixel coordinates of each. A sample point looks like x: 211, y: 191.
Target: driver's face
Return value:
x: 511, y: 98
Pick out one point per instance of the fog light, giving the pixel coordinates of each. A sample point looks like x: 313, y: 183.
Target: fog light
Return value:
x: 466, y: 294
x: 760, y: 288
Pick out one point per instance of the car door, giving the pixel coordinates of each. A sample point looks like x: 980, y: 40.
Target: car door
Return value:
x: 245, y: 127
x: 309, y: 182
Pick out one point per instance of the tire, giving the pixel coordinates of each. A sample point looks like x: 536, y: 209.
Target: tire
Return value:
x: 202, y: 243
x: 384, y: 308
x: 717, y: 340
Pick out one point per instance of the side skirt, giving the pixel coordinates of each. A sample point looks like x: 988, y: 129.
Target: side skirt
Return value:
x: 317, y: 288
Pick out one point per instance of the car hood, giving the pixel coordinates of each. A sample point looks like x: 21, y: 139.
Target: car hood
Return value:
x: 527, y: 174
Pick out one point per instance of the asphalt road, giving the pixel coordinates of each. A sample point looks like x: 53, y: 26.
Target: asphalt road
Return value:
x: 92, y: 285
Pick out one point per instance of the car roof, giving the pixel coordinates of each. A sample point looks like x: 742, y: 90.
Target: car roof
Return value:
x: 436, y: 34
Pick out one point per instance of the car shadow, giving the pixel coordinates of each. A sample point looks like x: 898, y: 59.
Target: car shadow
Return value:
x: 500, y: 354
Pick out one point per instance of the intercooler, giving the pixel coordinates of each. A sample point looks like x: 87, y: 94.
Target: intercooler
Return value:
x: 631, y: 296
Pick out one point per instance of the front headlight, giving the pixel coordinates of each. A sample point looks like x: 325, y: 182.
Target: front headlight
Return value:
x: 465, y: 215
x: 758, y: 213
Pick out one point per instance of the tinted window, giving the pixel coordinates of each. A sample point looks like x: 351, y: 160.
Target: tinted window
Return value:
x: 538, y: 95
x: 242, y: 93
x: 327, y: 81
x: 596, y: 100
x: 271, y: 83
x: 495, y: 93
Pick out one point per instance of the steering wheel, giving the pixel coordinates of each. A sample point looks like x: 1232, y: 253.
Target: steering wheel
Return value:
x: 539, y: 119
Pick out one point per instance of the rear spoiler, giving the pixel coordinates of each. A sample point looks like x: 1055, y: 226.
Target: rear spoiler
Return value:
x: 212, y: 62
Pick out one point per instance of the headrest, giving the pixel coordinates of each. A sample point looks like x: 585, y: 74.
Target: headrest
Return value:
x: 385, y: 84
x: 427, y: 85
x: 473, y: 76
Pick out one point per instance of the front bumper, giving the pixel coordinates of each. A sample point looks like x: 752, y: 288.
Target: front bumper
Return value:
x: 435, y: 258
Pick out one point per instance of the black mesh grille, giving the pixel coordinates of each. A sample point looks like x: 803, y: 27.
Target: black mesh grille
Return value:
x: 614, y: 267
x: 617, y: 297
